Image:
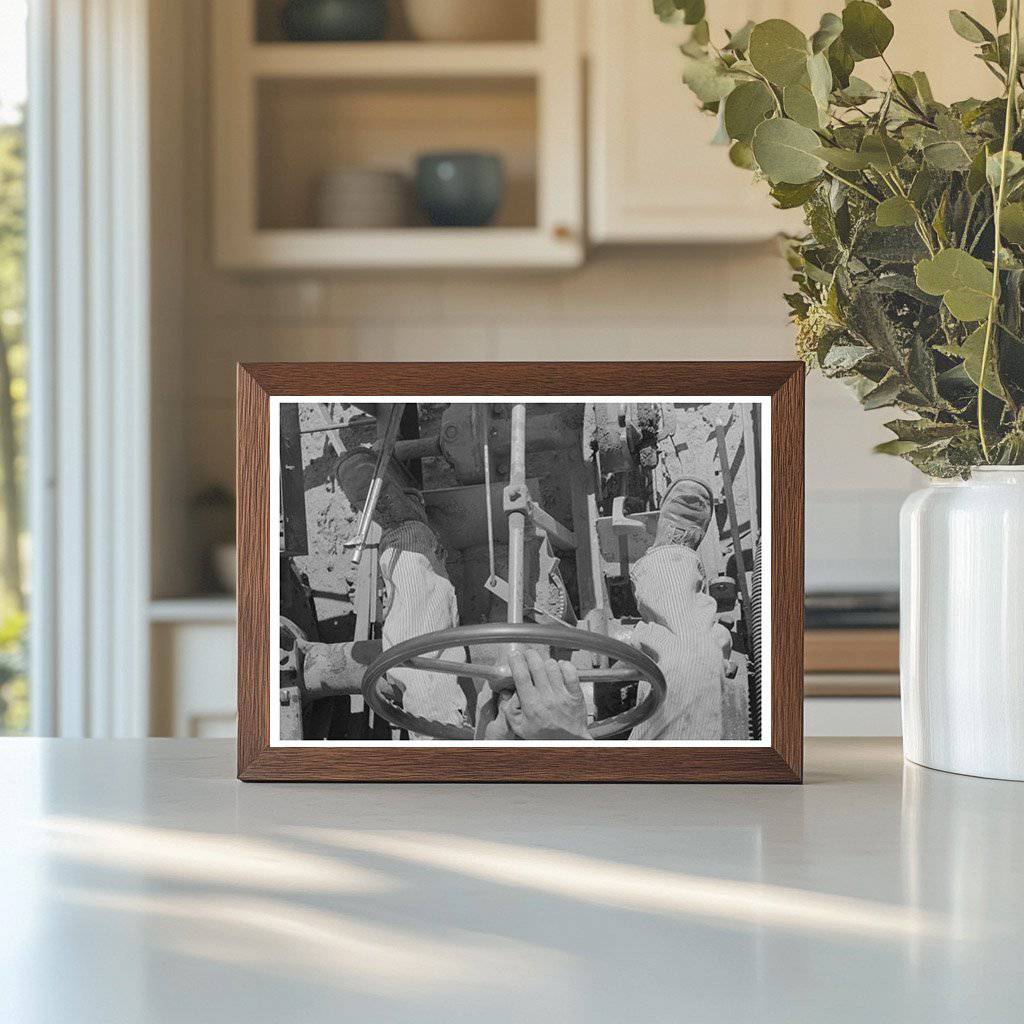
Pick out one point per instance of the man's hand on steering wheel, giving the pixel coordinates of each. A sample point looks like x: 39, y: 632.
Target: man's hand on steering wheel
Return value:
x: 548, y: 703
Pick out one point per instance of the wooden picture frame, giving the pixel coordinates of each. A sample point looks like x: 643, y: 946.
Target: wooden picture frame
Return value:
x: 779, y: 386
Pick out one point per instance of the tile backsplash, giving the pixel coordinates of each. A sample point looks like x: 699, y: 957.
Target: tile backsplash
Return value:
x: 708, y: 303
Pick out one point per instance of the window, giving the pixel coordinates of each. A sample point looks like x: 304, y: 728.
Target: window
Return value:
x: 14, y: 693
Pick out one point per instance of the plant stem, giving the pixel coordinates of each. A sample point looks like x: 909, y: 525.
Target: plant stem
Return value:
x: 1012, y: 334
x: 980, y: 232
x: 853, y: 185
x: 923, y: 231
x: 907, y: 99
x: 1011, y: 108
x: 775, y: 98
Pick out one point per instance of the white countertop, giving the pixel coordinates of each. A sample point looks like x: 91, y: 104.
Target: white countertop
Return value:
x: 140, y: 882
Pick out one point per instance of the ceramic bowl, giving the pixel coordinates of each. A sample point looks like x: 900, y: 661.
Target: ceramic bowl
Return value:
x: 225, y: 566
x: 460, y: 189
x: 471, y: 20
x: 359, y: 197
x: 332, y: 21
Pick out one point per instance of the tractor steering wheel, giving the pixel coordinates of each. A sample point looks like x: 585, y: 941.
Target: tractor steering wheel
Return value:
x: 636, y: 666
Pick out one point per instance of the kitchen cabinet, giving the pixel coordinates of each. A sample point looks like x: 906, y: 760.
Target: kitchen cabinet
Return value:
x: 653, y: 175
x: 288, y: 114
x: 192, y: 647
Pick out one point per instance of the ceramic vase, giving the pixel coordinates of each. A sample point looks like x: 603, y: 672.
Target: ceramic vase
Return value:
x: 962, y: 624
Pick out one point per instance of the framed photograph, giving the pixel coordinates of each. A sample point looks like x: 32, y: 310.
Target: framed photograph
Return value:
x: 520, y: 571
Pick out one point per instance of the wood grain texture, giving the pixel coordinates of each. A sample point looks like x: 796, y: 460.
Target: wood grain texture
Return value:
x: 852, y: 650
x: 851, y: 684
x: 780, y: 762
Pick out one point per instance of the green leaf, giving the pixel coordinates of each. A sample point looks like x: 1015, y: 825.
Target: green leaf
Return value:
x: 788, y: 197
x: 969, y: 28
x: 889, y: 245
x: 666, y: 10
x: 895, y: 447
x: 939, y: 220
x: 924, y: 88
x: 689, y: 12
x: 868, y: 318
x: 739, y: 41
x: 963, y: 281
x: 999, y: 9
x: 921, y: 370
x: 801, y: 106
x: 840, y: 359
x: 971, y: 352
x: 841, y: 63
x: 829, y: 30
x: 721, y: 136
x: 883, y: 152
x: 976, y: 173
x: 993, y: 167
x: 779, y: 51
x: 701, y: 35
x: 923, y: 431
x: 947, y: 156
x: 745, y: 108
x: 693, y: 11
x: 885, y: 394
x: 741, y: 155
x: 905, y: 84
x: 857, y: 91
x: 707, y: 78
x: 1012, y: 224
x: 866, y: 29
x: 895, y: 212
x: 787, y: 151
x: 844, y: 159
x: 819, y: 74
x: 922, y: 185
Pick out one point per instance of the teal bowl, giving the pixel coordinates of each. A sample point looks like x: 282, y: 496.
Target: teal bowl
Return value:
x: 334, y: 21
x: 460, y: 190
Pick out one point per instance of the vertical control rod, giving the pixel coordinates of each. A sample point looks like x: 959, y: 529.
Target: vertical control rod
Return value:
x: 517, y: 520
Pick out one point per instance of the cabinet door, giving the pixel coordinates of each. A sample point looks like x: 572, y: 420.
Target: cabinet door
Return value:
x: 654, y: 176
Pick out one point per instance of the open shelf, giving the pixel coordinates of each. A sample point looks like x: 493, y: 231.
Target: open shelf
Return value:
x: 520, y: 22
x: 287, y: 114
x: 392, y: 60
x: 406, y: 248
x: 308, y: 127
x: 206, y: 608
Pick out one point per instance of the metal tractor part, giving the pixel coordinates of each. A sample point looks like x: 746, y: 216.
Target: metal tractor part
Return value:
x: 523, y: 514
x: 633, y: 666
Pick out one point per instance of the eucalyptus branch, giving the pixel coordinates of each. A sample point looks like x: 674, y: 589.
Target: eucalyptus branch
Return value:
x: 977, y: 237
x: 1011, y: 109
x: 909, y: 100
x: 995, y: 71
x: 941, y: 308
x: 771, y: 90
x: 853, y: 185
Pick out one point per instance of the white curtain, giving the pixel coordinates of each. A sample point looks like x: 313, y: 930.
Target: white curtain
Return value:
x: 89, y: 386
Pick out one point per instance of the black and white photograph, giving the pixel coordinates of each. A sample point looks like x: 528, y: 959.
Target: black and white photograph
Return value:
x: 501, y: 572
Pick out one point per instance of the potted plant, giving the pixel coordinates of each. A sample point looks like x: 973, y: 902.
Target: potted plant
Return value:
x: 909, y: 288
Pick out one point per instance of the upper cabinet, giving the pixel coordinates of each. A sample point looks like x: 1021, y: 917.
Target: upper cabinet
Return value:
x: 654, y: 175
x: 316, y: 144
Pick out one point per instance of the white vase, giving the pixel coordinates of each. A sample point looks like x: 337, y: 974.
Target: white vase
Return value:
x: 962, y: 624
